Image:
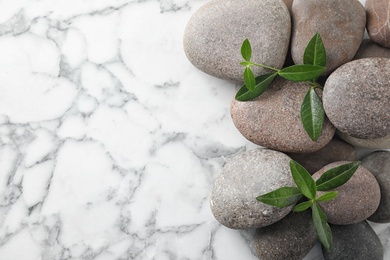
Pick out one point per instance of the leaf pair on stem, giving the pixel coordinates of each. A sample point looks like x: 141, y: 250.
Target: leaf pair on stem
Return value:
x: 312, y: 112
x: 307, y: 187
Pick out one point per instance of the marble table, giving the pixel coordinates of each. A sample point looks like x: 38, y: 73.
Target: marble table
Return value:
x: 109, y: 138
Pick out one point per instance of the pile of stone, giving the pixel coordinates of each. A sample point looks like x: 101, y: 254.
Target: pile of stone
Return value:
x: 356, y: 100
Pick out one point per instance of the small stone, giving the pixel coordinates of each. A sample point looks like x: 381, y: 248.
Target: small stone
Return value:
x: 370, y: 49
x: 354, y: 242
x: 356, y: 98
x: 245, y: 177
x: 273, y: 119
x: 357, y: 199
x: 378, y: 21
x: 378, y: 163
x: 341, y: 25
x: 335, y: 150
x: 214, y: 34
x: 290, y: 238
x: 378, y: 143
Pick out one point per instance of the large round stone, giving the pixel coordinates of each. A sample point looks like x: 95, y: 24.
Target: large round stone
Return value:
x: 378, y: 163
x: 378, y: 21
x: 370, y: 49
x: 357, y: 199
x: 356, y: 98
x: 335, y: 150
x: 245, y: 177
x: 341, y: 25
x: 214, y: 34
x: 354, y: 242
x: 290, y: 238
x: 273, y: 119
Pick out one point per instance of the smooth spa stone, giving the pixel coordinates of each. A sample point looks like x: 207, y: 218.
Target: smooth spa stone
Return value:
x: 290, y: 238
x: 245, y: 177
x: 354, y: 242
x: 335, y: 150
x: 378, y: 21
x: 341, y: 26
x: 356, y: 98
x: 378, y: 163
x: 370, y: 49
x: 273, y: 119
x: 214, y: 35
x: 357, y: 199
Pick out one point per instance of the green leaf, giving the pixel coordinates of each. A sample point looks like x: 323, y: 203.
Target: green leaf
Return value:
x: 327, y: 196
x: 246, y: 50
x: 337, y: 176
x: 312, y: 114
x: 246, y: 63
x: 301, y: 72
x: 249, y: 79
x: 315, y: 53
x: 322, y: 227
x: 303, y: 180
x: 302, y: 206
x: 262, y: 84
x: 281, y: 197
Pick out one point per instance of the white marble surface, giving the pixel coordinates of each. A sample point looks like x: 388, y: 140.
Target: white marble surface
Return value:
x: 109, y: 138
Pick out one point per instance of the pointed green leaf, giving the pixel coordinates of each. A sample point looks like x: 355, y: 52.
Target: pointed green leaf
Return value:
x: 303, y: 180
x: 281, y: 197
x: 337, y: 176
x: 301, y: 72
x: 315, y: 53
x: 328, y: 196
x: 322, y: 227
x: 302, y: 206
x: 312, y: 114
x: 246, y: 50
x: 262, y: 84
x: 249, y: 79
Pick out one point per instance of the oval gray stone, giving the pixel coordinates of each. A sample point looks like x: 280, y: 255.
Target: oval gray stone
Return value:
x: 245, y: 177
x: 354, y: 242
x: 215, y: 32
x: 290, y: 238
x: 273, y: 119
x: 370, y: 49
x: 357, y: 200
x: 378, y: 163
x: 378, y: 21
x: 378, y: 143
x: 356, y: 98
x: 341, y: 25
x: 335, y: 150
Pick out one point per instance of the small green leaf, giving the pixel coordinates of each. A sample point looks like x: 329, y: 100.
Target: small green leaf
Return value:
x: 249, y: 79
x: 303, y: 180
x: 281, y: 197
x: 337, y: 176
x: 322, y: 227
x: 327, y: 196
x: 315, y: 53
x: 246, y: 50
x: 302, y: 206
x: 262, y: 84
x: 301, y: 72
x: 312, y: 114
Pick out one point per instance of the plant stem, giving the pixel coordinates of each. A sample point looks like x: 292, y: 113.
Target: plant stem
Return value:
x: 265, y: 66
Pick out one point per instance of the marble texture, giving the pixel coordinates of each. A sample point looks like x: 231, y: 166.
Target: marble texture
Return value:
x: 110, y: 140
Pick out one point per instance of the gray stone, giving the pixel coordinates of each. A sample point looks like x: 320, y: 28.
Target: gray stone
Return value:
x: 378, y: 143
x: 356, y: 98
x: 214, y: 34
x: 370, y: 49
x: 341, y: 25
x: 378, y: 163
x: 245, y: 177
x: 290, y: 238
x: 273, y: 119
x: 357, y: 200
x: 378, y: 21
x: 354, y: 242
x: 335, y: 150
x: 288, y: 4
